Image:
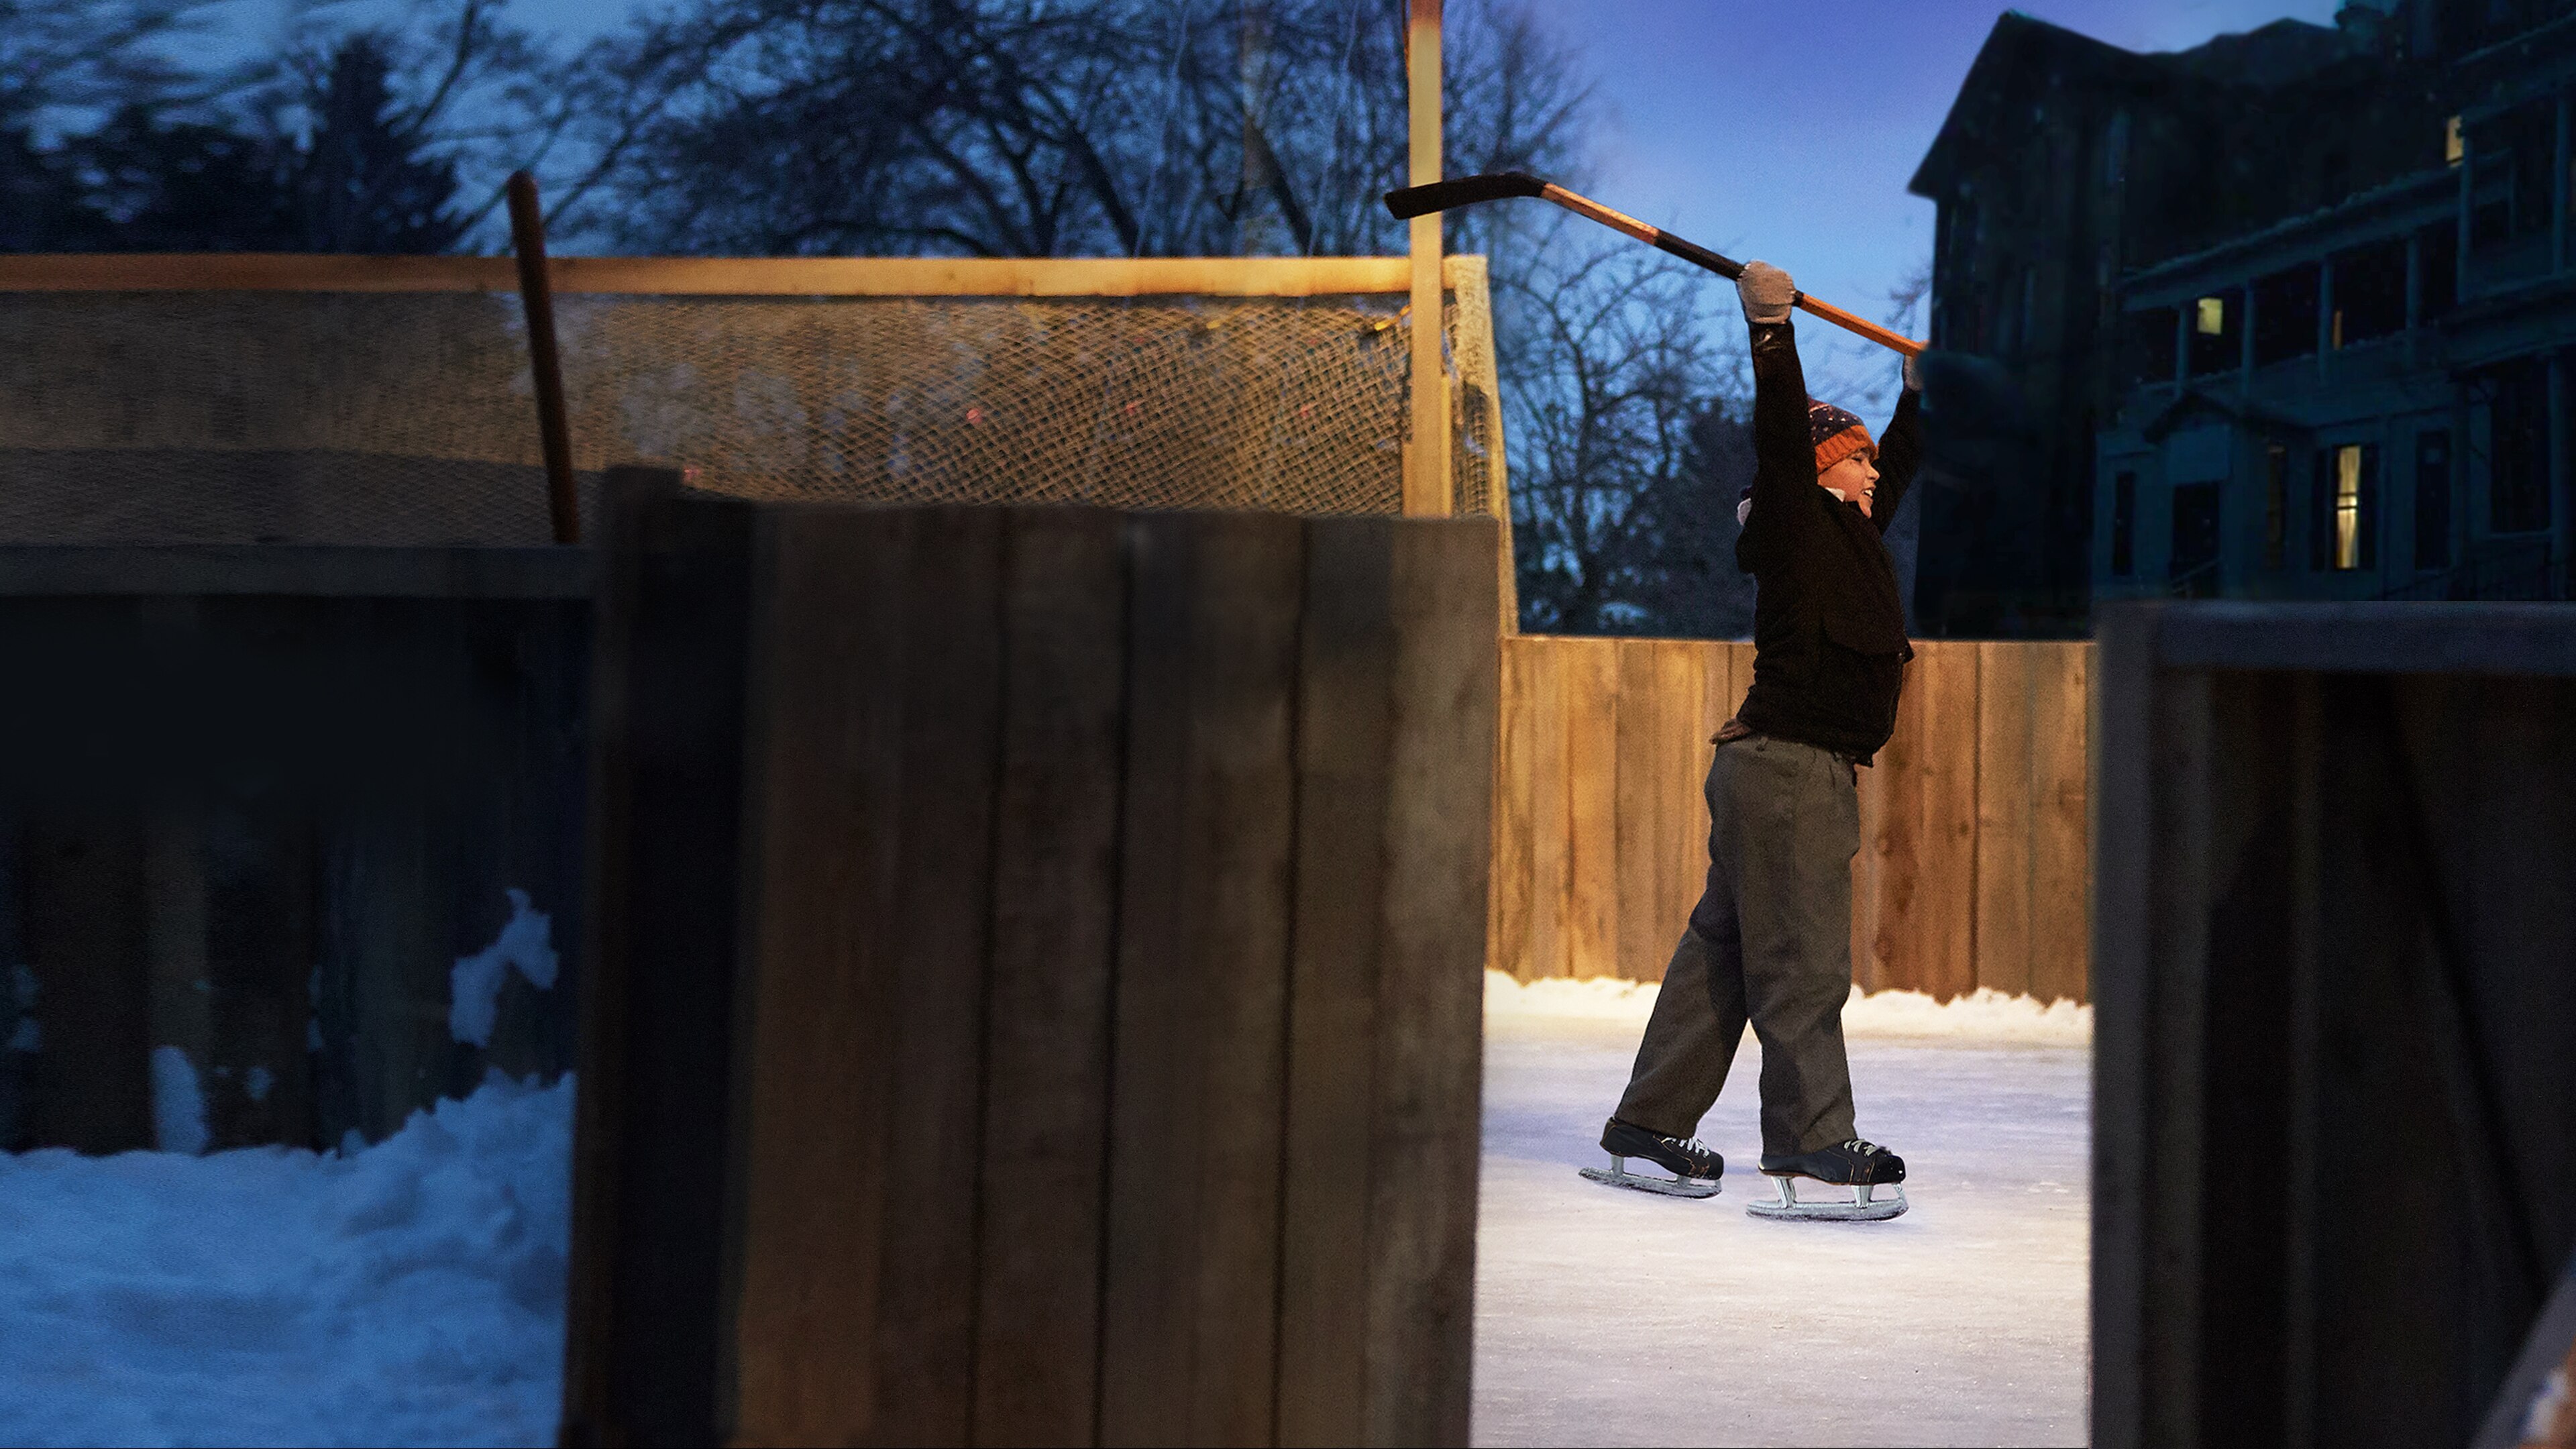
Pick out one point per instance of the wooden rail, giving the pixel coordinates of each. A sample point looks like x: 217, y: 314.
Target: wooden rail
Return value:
x: 718, y: 276
x: 1973, y: 869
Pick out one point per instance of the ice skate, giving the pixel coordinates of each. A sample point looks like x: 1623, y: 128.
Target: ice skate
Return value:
x: 1695, y: 1170
x: 1862, y: 1166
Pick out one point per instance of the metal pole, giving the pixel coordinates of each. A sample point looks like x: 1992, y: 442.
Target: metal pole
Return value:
x: 545, y: 364
x: 1426, y: 473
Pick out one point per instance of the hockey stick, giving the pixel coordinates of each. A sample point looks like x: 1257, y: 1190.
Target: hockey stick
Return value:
x: 1415, y: 201
x: 545, y: 364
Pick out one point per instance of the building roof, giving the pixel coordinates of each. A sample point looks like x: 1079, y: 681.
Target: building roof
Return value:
x: 2021, y: 51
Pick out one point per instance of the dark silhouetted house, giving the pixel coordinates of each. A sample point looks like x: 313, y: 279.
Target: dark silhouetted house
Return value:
x: 2285, y: 315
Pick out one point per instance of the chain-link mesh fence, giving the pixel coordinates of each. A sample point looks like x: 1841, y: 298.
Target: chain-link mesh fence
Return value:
x: 178, y: 416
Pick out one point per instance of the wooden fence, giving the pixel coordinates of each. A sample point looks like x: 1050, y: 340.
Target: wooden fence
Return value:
x: 1975, y: 836
x: 1035, y: 992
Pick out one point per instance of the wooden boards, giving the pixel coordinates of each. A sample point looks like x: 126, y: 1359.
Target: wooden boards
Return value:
x: 2331, y: 934
x: 1085, y: 1009
x: 1972, y: 869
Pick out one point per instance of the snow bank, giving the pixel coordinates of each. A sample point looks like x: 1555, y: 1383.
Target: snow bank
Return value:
x: 411, y: 1293
x: 1985, y: 1016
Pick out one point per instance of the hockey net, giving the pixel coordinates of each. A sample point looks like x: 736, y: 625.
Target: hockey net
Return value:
x: 302, y: 409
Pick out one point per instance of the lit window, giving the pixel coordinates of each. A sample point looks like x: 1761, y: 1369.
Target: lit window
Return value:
x: 2210, y: 316
x: 2347, y: 507
x: 2338, y: 329
x: 2454, y: 148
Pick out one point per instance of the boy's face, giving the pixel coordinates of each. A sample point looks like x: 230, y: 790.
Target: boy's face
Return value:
x: 1854, y: 480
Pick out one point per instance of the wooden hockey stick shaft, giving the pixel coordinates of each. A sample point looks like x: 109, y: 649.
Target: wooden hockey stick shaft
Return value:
x: 1418, y: 200
x: 1689, y: 251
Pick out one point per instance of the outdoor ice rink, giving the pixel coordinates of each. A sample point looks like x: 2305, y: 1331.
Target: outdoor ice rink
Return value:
x: 1612, y: 1317
x: 412, y: 1293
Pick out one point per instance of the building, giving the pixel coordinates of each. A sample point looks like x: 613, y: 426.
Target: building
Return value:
x: 2285, y: 314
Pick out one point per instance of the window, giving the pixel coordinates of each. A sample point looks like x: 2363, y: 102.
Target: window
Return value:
x: 2347, y: 508
x: 2454, y: 147
x: 2343, y: 514
x: 2215, y: 325
x: 2276, y: 505
x: 2124, y: 525
x: 2433, y: 499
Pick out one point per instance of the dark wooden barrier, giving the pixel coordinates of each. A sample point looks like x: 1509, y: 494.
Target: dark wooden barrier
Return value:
x: 1974, y: 821
x: 2335, y: 1092
x: 1037, y: 990
x: 255, y: 803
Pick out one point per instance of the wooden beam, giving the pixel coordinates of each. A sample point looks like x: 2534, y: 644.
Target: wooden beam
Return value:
x: 1426, y: 461
x: 723, y: 276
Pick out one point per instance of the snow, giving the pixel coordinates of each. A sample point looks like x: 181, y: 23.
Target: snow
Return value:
x: 474, y: 983
x: 411, y: 1293
x: 178, y: 1103
x: 1605, y: 1316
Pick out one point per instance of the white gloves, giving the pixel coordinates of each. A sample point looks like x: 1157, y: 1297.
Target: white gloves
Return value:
x: 1766, y: 292
x: 1913, y: 374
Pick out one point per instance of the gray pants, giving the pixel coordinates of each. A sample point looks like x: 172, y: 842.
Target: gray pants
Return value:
x: 1770, y: 940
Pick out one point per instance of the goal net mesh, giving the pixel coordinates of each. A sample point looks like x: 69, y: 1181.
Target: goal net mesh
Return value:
x: 408, y: 418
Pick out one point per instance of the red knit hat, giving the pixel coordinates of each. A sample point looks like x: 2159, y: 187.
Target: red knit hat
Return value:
x: 1836, y: 434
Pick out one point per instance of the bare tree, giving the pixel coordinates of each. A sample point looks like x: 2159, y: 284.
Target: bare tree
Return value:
x: 1610, y: 390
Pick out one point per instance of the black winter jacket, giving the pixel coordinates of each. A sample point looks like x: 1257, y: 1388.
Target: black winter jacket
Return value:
x: 1828, y: 627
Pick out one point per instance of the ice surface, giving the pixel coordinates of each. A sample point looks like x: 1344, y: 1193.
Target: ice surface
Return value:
x: 409, y: 1294
x: 1605, y: 1316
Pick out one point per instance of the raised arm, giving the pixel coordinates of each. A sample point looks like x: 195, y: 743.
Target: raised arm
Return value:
x: 1784, y: 457
x: 1900, y: 452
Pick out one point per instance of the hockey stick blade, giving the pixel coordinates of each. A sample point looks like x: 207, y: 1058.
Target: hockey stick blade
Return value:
x: 1415, y: 201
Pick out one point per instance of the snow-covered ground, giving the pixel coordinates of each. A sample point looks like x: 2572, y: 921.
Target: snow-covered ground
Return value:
x: 1612, y: 1317
x: 412, y: 1292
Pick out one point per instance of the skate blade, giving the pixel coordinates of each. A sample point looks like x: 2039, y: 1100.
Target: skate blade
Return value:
x: 1664, y: 1186
x: 1864, y: 1207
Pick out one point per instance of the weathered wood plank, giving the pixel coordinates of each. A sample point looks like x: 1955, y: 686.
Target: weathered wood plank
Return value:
x: 1344, y: 732
x: 2061, y: 825
x: 1590, y: 684
x: 1681, y: 678
x: 2006, y: 688
x: 1640, y: 797
x: 1947, y: 890
x: 1429, y: 1061
x: 1189, y: 1299
x: 951, y: 743
x: 655, y: 1139
x: 84, y: 904
x: 259, y: 954
x: 818, y: 996
x: 1064, y: 620
x: 1508, y: 947
x: 1551, y: 830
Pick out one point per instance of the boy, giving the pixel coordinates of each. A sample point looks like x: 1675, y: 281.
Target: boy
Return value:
x: 1770, y: 940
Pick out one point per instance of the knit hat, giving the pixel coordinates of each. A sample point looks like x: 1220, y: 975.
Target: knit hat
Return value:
x: 1836, y: 434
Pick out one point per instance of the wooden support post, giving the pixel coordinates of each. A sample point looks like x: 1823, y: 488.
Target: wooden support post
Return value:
x: 545, y: 364
x: 1426, y: 460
